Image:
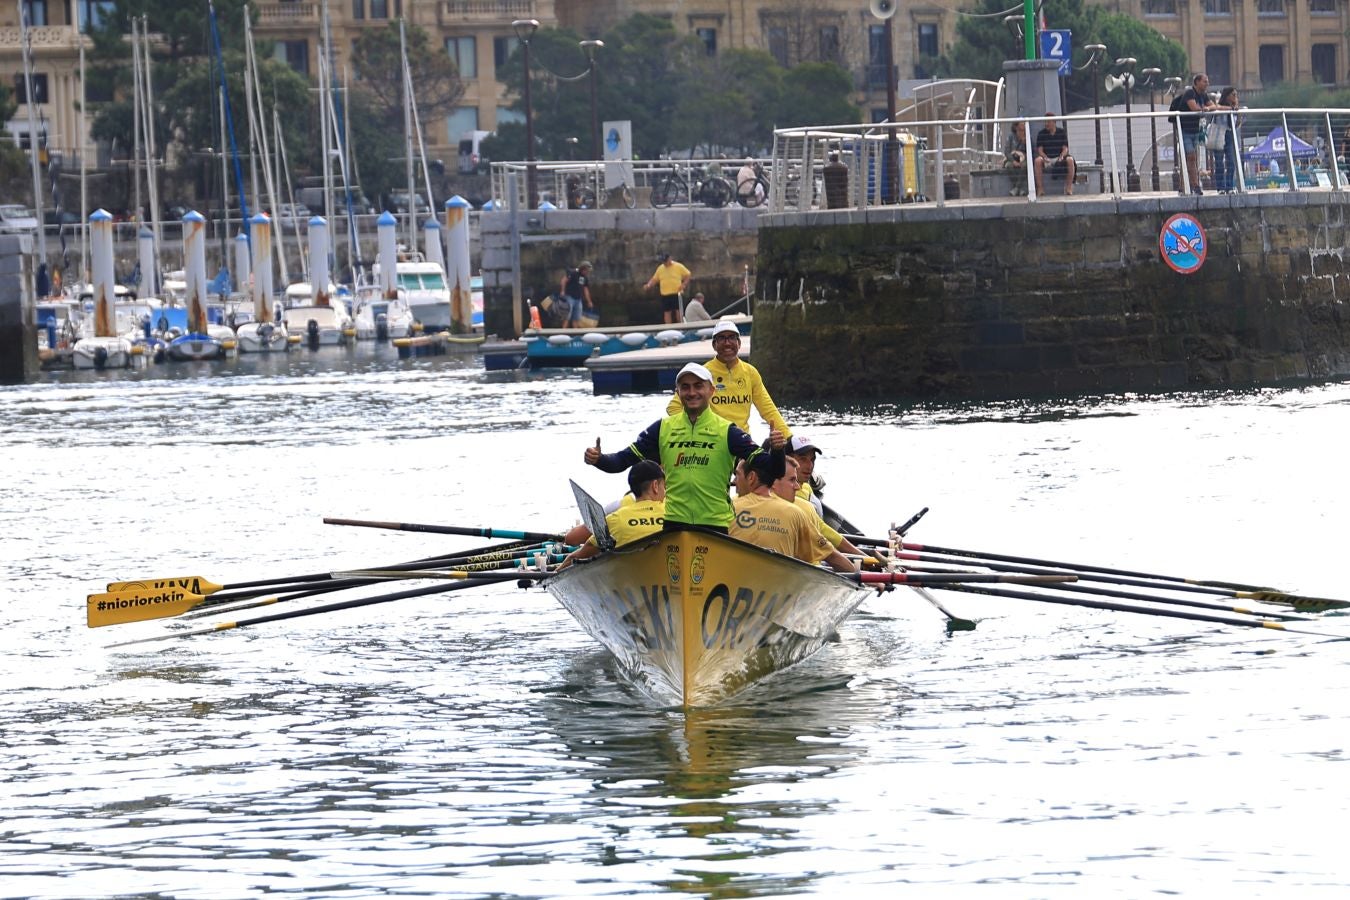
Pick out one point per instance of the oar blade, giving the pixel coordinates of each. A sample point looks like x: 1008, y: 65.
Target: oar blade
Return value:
x: 193, y: 584
x: 121, y: 607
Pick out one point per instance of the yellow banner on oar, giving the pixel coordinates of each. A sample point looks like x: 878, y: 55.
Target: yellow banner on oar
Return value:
x: 193, y: 584
x: 136, y: 605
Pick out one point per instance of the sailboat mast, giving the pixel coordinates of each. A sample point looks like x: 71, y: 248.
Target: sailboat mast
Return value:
x: 407, y: 134
x: 259, y: 131
x: 325, y: 76
x: 152, y: 180
x: 136, y: 115
x: 84, y: 176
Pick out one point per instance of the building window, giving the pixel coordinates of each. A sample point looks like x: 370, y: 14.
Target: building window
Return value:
x: 829, y: 44
x: 1160, y: 7
x: 1219, y: 64
x: 502, y: 48
x: 464, y: 52
x: 877, y: 75
x: 709, y: 38
x: 507, y: 116
x: 37, y: 12
x: 1322, y: 7
x: 460, y: 120
x: 39, y: 88
x: 1271, y: 57
x: 294, y: 54
x: 386, y: 9
x: 1324, y: 63
x: 1218, y: 8
x: 1270, y: 7
x: 778, y: 43
x: 93, y: 13
x: 358, y: 9
x: 926, y: 36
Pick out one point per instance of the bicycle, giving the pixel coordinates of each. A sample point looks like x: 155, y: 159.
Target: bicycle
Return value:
x: 753, y: 190
x: 710, y: 190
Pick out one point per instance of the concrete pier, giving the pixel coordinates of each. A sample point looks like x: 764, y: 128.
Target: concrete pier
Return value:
x: 18, y: 331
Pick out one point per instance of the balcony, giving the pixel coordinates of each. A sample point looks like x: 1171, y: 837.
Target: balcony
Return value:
x: 283, y: 15
x: 485, y: 10
x: 52, y: 37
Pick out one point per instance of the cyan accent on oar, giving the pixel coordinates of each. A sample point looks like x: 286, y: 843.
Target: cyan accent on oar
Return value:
x: 448, y: 529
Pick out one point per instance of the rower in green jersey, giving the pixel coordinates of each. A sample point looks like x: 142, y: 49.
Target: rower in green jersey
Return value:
x: 737, y: 385
x: 696, y: 448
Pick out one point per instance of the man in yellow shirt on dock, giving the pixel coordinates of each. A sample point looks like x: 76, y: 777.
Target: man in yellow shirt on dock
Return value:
x: 737, y: 385
x: 673, y: 278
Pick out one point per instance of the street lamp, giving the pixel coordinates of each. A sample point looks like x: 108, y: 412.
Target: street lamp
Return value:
x: 1098, y: 52
x: 1150, y: 80
x: 1127, y: 64
x: 525, y: 29
x: 1174, y: 87
x: 589, y: 47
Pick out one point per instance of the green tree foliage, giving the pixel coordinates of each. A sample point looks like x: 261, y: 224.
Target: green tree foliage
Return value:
x: 8, y: 104
x: 677, y: 97
x: 984, y: 42
x: 378, y: 65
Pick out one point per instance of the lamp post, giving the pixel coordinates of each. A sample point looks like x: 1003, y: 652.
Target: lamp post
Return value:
x: 525, y: 29
x: 589, y: 47
x: 1150, y: 80
x: 1127, y: 65
x: 1174, y: 87
x: 892, y: 139
x: 1098, y: 52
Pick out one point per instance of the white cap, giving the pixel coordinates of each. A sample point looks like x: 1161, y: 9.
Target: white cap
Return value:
x: 696, y: 369
x: 725, y: 327
x: 801, y: 443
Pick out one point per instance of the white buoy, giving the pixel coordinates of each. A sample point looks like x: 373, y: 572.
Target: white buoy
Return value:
x: 634, y: 339
x: 458, y: 275
x: 261, y: 239
x: 105, y: 282
x: 594, y: 338
x: 194, y: 270
x: 145, y: 246
x: 319, y: 278
x: 242, y: 264
x: 387, y: 253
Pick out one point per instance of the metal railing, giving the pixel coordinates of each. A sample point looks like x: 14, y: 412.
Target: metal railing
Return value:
x: 557, y: 183
x: 935, y: 159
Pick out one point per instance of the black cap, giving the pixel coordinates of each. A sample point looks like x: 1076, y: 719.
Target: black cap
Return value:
x: 643, y: 473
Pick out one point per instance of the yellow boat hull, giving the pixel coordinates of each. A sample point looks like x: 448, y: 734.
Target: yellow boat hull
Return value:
x: 694, y: 618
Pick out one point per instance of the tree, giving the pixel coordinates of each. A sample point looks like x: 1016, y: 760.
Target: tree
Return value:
x: 984, y: 42
x: 378, y: 64
x: 817, y: 94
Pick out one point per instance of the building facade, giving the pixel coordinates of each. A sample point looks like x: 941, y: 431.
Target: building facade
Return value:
x: 1249, y: 43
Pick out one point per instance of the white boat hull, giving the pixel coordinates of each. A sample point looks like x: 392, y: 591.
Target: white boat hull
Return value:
x: 102, y: 353
x: 265, y: 337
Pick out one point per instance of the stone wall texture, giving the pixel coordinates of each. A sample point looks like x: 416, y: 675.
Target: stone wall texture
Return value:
x: 990, y: 300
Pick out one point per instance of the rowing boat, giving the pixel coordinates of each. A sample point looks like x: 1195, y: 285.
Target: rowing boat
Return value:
x: 696, y: 617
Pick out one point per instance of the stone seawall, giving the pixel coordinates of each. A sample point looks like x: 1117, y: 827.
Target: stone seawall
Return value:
x: 988, y: 300
x: 624, y: 244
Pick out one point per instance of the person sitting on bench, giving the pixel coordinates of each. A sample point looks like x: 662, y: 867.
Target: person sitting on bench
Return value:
x: 1052, y: 153
x: 1015, y: 157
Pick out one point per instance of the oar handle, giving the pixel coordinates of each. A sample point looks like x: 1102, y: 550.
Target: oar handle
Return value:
x: 956, y: 578
x: 447, y: 529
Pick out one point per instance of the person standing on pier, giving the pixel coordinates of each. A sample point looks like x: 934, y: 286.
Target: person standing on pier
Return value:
x: 1225, y: 175
x: 673, y: 278
x: 1196, y: 102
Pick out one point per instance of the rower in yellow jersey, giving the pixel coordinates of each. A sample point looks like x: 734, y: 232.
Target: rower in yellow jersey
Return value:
x: 737, y: 385
x: 645, y: 515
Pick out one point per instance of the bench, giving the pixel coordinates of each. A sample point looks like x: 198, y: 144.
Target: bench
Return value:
x: 1000, y: 182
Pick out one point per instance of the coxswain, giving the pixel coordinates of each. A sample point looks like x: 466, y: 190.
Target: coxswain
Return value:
x: 737, y: 384
x: 696, y: 448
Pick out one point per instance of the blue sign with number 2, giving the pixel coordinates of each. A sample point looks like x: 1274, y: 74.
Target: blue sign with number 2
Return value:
x: 1058, y: 45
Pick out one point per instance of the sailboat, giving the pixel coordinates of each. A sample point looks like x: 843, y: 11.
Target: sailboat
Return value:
x: 267, y: 332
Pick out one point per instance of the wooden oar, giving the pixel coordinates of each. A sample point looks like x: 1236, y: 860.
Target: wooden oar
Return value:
x: 196, y: 584
x: 1142, y: 610
x: 1297, y: 601
x: 448, y: 529
x: 952, y: 577
x: 140, y: 605
x: 1174, y: 601
x: 311, y: 611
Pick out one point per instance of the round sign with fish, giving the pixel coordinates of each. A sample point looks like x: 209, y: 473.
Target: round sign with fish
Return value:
x: 1183, y: 243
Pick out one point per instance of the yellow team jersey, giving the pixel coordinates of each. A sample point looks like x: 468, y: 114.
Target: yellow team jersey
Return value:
x: 670, y: 278
x: 774, y: 524
x: 829, y: 533
x: 735, y: 391
x: 634, y: 520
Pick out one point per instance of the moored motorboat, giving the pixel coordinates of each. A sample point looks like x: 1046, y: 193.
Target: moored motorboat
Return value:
x: 324, y: 324
x: 381, y: 318
x: 696, y: 617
